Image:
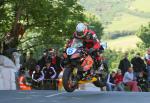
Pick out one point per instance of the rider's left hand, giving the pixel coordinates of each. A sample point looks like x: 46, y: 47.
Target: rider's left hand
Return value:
x: 91, y: 50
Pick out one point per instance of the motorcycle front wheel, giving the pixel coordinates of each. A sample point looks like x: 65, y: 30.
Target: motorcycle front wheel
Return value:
x: 69, y: 80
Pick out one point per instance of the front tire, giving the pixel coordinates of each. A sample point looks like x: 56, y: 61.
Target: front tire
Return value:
x: 67, y: 80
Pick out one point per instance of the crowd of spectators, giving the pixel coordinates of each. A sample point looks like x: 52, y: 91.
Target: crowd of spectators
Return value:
x: 133, y: 75
x: 42, y: 73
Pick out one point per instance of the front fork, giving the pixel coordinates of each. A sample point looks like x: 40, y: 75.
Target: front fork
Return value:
x: 75, y: 76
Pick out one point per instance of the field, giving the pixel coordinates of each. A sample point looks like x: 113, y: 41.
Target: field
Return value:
x: 123, y: 43
x: 127, y: 22
x: 120, y: 15
x: 141, y: 5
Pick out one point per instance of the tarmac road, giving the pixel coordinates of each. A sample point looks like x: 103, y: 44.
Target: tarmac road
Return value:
x: 48, y: 96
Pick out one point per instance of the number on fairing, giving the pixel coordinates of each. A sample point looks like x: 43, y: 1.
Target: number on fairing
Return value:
x: 70, y: 51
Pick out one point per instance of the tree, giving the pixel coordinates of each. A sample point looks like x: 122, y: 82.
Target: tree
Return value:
x: 38, y: 21
x: 144, y: 34
x: 94, y: 24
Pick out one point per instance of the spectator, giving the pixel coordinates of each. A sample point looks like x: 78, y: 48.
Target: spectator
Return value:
x: 128, y: 80
x: 56, y: 62
x: 52, y: 56
x: 16, y: 59
x: 103, y: 62
x: 119, y: 81
x: 49, y: 71
x: 58, y: 66
x: 49, y: 74
x: 37, y: 77
x: 7, y: 45
x: 124, y: 64
x: 7, y: 73
x: 138, y: 64
x: 30, y: 64
x: 23, y: 84
x: 142, y: 82
x: 45, y: 57
x: 23, y: 60
x: 147, y: 59
x: 111, y: 81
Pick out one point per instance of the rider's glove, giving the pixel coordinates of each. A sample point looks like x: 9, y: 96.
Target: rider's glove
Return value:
x: 91, y: 50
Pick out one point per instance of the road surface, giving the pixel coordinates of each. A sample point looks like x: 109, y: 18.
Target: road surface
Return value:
x: 49, y: 96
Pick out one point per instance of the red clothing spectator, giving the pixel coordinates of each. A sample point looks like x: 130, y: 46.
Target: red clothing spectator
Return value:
x: 119, y: 81
x: 53, y: 60
x: 118, y: 78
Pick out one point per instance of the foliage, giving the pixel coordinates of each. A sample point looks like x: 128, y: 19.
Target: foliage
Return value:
x: 141, y: 5
x: 113, y: 57
x: 119, y: 15
x: 117, y: 34
x: 144, y: 34
x: 106, y: 9
x: 94, y: 24
x: 124, y: 43
x: 127, y: 22
x: 45, y: 21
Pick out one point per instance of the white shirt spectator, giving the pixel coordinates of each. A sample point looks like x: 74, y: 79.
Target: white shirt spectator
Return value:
x: 17, y: 59
x: 128, y: 76
x: 7, y: 73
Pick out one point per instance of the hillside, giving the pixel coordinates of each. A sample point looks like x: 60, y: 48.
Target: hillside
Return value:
x: 123, y: 43
x: 120, y: 15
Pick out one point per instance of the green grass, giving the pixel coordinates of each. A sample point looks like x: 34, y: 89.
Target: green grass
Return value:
x: 136, y: 16
x: 141, y: 5
x: 120, y: 15
x: 127, y: 22
x: 106, y: 9
x: 123, y: 43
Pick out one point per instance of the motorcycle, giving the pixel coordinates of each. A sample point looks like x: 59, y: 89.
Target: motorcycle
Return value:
x: 76, y: 61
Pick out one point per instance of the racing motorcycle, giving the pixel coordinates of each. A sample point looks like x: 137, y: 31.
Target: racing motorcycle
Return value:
x: 76, y: 60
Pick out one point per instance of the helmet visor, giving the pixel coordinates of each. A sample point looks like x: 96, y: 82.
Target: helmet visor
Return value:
x: 80, y: 34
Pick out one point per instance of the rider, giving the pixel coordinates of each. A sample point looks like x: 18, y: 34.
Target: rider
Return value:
x: 89, y: 38
x: 90, y: 43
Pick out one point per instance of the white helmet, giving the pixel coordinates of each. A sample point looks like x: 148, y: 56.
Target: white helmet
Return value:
x: 81, y: 27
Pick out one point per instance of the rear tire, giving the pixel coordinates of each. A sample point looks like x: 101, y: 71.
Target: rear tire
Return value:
x: 99, y: 83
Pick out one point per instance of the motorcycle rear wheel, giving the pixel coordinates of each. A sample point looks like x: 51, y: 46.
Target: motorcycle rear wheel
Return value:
x: 99, y: 83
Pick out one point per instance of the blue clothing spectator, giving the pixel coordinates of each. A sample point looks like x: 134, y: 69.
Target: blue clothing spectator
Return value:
x: 111, y: 81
